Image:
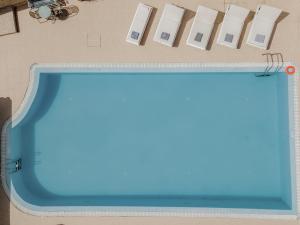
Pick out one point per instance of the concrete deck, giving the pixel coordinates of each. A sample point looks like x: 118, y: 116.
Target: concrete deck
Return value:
x: 96, y: 35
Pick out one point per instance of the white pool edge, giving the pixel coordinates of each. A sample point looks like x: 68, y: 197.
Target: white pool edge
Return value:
x: 296, y: 106
x: 151, y: 211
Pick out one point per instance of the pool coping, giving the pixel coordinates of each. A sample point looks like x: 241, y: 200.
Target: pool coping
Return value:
x: 157, y: 211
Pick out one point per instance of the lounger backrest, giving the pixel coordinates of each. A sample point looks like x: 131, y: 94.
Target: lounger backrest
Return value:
x: 267, y: 13
x: 206, y: 15
x: 173, y: 12
x: 236, y: 14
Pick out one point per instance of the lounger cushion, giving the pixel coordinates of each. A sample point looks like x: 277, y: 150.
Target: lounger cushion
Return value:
x: 168, y: 25
x: 139, y: 23
x: 202, y: 27
x: 232, y: 26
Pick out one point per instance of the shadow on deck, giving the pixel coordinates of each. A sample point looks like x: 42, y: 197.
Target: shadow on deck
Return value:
x: 5, y: 114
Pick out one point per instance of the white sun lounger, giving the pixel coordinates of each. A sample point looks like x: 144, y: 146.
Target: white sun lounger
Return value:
x: 262, y: 26
x: 168, y: 25
x: 232, y: 26
x: 139, y: 24
x: 202, y: 27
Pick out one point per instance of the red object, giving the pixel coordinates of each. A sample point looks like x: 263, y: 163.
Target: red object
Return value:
x: 290, y: 70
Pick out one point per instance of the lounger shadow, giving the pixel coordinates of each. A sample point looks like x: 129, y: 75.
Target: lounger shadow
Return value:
x: 188, y: 15
x: 219, y: 20
x: 282, y: 16
x: 148, y: 27
x: 247, y: 21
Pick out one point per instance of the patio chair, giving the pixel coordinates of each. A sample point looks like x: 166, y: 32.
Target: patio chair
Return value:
x: 202, y: 27
x: 168, y: 25
x: 263, y: 26
x: 232, y: 26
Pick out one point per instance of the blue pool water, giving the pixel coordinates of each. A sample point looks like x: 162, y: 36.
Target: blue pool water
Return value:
x: 217, y: 140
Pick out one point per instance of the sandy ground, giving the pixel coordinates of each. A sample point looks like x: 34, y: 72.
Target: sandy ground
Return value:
x: 96, y: 35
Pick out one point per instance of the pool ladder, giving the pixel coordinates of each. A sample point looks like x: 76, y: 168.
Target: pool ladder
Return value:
x: 13, y: 166
x: 274, y: 64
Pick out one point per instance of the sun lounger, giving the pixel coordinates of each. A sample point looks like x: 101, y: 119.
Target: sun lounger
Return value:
x: 262, y: 26
x: 232, y: 26
x: 168, y: 25
x: 202, y: 27
x: 139, y: 24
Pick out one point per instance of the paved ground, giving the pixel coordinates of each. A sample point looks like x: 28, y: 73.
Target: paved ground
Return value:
x: 97, y: 35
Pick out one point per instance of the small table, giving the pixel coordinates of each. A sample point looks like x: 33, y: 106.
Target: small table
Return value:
x: 44, y: 12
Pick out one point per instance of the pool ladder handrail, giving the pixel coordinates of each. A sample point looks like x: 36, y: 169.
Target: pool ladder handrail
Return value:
x: 13, y: 166
x: 270, y: 64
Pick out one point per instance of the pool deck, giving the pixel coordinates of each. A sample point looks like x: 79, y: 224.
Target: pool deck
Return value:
x: 97, y: 35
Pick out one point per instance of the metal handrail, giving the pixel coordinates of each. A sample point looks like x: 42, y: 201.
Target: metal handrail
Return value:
x: 280, y: 62
x: 270, y: 64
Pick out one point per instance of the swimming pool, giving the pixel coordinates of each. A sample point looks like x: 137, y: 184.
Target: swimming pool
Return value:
x: 170, y: 139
